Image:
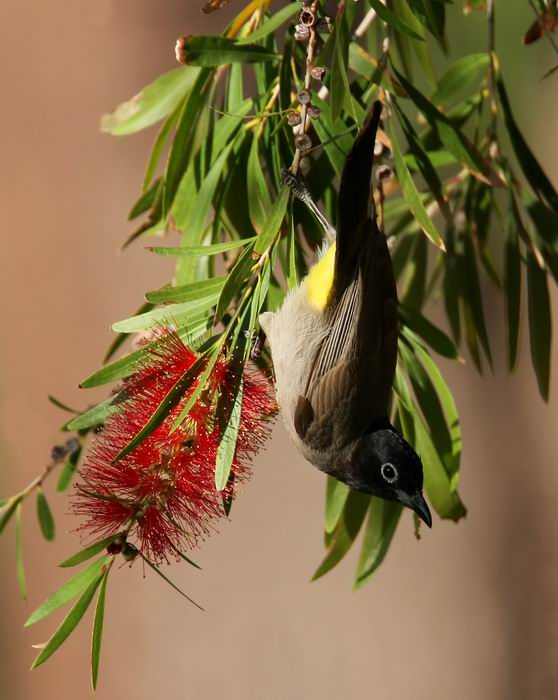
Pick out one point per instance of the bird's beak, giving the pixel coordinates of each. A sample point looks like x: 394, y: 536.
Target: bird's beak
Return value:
x: 419, y: 505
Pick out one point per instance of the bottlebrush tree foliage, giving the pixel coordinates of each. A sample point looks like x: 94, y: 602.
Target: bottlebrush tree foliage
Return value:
x: 160, y: 459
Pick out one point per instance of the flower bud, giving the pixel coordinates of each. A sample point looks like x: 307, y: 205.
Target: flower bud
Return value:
x: 323, y: 25
x: 307, y: 18
x: 129, y: 552
x: 180, y: 50
x: 313, y: 111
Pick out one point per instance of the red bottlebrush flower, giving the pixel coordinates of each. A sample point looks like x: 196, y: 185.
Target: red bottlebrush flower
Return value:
x: 163, y: 492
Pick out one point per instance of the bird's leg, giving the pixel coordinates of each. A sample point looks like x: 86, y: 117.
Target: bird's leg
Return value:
x: 298, y: 187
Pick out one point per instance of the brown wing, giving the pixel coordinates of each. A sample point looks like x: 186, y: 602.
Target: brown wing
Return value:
x: 351, y: 377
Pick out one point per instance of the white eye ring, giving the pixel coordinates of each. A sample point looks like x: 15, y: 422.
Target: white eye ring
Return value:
x: 389, y: 472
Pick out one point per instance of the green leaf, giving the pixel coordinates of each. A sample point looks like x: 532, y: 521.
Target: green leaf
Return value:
x: 180, y: 152
x: 227, y: 444
x: 68, y: 470
x: 340, y: 91
x: 69, y: 623
x: 540, y: 323
x: 336, y: 497
x: 235, y: 281
x: 259, y: 200
x: 70, y: 590
x: 452, y: 138
x: 448, y: 404
x: 333, y: 134
x: 20, y: 568
x: 176, y: 315
x: 98, y: 630
x: 368, y: 67
x: 44, y: 514
x: 153, y: 103
x: 432, y: 16
x: 473, y: 298
x: 412, y: 196
x: 270, y: 25
x: 95, y: 415
x: 533, y: 172
x: 346, y: 531
x: 291, y: 272
x: 512, y: 291
x: 197, y: 250
x: 431, y: 334
x: 383, y: 517
x: 88, y: 552
x: 200, y: 385
x: 128, y: 364
x: 212, y: 51
x: 465, y: 72
x: 7, y: 512
x: 393, y: 20
x: 187, y: 292
x: 171, y: 399
x: 440, y: 488
x: 59, y: 404
x: 273, y: 222
x: 158, y: 146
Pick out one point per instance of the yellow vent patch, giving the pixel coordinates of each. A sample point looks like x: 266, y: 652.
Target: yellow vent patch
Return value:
x: 319, y: 281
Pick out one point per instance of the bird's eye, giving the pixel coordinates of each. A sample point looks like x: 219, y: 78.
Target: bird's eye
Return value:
x: 389, y: 472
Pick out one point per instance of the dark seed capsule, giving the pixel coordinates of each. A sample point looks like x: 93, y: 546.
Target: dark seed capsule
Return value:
x: 129, y: 552
x: 303, y: 142
x: 58, y: 453
x: 313, y: 111
x: 115, y: 548
x: 294, y: 118
x: 72, y: 445
x: 303, y: 96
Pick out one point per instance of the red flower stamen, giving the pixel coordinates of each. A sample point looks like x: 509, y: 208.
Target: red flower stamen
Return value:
x: 163, y: 493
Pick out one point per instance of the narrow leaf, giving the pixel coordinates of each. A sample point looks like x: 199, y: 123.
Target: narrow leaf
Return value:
x: 512, y: 291
x: 465, y: 72
x: 98, y: 630
x: 7, y: 512
x: 187, y: 292
x: 270, y: 25
x: 69, y: 623
x: 336, y: 497
x: 412, y: 196
x: 210, y: 51
x: 431, y: 334
x: 540, y: 323
x: 197, y: 250
x: 72, y: 588
x: 392, y: 19
x: 383, y: 517
x: 88, y: 552
x: 227, y: 444
x: 346, y: 532
x: 44, y: 514
x: 273, y: 222
x: 156, y: 101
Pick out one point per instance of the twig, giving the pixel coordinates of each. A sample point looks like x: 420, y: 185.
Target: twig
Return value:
x: 490, y: 12
x: 312, y: 41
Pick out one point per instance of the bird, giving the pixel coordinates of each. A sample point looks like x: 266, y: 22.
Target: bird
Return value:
x: 333, y: 345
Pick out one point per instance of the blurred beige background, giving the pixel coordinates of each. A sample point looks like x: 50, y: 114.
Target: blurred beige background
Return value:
x: 470, y: 611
